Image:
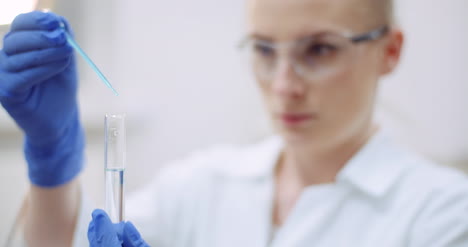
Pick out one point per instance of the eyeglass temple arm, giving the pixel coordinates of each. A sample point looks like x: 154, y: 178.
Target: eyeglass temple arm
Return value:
x: 372, y: 35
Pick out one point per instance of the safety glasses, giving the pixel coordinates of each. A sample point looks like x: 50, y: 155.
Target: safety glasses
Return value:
x: 313, y: 58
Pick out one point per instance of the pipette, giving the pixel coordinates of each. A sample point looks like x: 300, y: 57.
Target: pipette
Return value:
x: 88, y: 60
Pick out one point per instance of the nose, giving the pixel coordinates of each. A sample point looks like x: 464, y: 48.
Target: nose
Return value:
x: 286, y: 82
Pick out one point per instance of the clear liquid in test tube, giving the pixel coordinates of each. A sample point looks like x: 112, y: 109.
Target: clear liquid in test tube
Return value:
x: 114, y: 160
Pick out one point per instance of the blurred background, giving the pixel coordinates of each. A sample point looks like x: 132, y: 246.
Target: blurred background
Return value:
x: 184, y: 86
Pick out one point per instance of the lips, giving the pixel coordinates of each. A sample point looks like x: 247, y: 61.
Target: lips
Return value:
x: 296, y: 118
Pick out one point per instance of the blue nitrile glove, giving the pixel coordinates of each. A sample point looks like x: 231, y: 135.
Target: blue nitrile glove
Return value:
x: 38, y: 88
x: 103, y: 233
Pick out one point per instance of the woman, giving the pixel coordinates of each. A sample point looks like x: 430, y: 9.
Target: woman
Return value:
x: 329, y: 178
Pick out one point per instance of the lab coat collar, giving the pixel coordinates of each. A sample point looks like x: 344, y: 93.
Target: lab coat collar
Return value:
x: 373, y: 170
x: 376, y: 167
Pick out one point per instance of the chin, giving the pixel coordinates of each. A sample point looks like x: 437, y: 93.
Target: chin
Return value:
x: 307, y: 134
x: 296, y: 135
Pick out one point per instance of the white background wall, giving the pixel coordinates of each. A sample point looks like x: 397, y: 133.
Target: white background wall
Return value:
x: 183, y: 85
x: 426, y: 101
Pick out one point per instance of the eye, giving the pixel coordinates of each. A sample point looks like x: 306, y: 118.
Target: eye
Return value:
x: 263, y: 50
x: 320, y: 50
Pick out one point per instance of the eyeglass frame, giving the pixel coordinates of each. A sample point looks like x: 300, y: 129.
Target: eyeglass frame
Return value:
x: 372, y: 35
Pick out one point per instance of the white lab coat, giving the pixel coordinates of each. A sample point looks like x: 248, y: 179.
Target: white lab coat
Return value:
x: 223, y: 198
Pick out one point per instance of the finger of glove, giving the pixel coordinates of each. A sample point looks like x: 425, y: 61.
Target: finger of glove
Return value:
x: 92, y: 234
x: 67, y: 25
x: 119, y: 228
x: 131, y: 236
x: 24, y: 41
x: 101, y: 231
x: 23, y: 61
x: 13, y: 83
x: 36, y: 20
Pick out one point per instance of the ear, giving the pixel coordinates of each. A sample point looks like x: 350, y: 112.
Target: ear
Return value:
x: 392, y: 50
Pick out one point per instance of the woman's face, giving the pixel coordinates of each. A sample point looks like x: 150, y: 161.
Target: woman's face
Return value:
x: 334, y: 100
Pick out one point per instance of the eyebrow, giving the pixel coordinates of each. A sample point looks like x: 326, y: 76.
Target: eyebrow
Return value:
x: 260, y: 37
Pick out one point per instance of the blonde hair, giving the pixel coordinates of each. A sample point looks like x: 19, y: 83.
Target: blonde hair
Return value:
x: 389, y: 6
x: 385, y: 10
x: 382, y: 10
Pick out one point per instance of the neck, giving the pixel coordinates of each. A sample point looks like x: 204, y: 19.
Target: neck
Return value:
x: 309, y: 165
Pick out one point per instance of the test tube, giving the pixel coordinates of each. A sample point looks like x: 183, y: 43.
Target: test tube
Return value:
x: 114, y: 163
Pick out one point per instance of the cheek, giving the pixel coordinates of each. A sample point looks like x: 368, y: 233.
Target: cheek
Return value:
x: 348, y: 97
x: 265, y: 90
x: 262, y: 85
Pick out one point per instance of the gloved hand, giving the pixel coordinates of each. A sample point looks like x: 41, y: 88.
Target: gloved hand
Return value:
x: 103, y: 233
x: 38, y: 88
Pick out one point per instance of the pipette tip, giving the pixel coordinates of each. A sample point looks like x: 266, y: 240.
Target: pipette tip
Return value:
x: 88, y: 60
